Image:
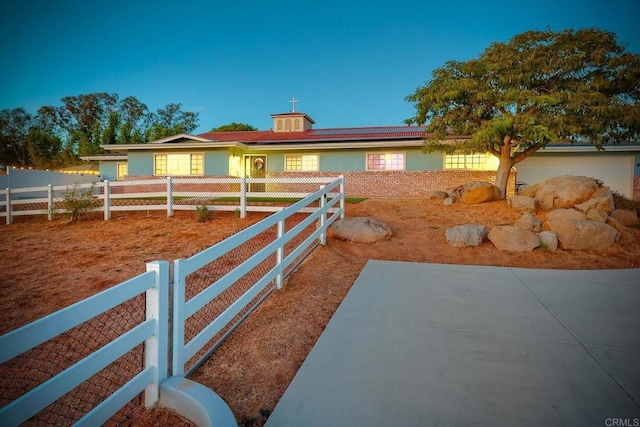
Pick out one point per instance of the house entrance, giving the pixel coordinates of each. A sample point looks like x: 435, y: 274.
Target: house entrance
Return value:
x: 255, y: 167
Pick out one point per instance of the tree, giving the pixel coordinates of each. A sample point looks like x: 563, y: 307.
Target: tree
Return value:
x: 14, y: 128
x: 171, y: 120
x: 134, y: 120
x: 541, y: 86
x: 234, y: 127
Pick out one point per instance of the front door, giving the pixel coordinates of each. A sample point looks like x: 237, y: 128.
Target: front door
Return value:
x: 256, y: 167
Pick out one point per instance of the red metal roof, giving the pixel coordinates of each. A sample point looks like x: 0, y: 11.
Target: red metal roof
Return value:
x: 320, y: 135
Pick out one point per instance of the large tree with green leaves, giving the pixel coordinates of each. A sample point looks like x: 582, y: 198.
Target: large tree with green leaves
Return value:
x: 541, y: 86
x: 234, y: 127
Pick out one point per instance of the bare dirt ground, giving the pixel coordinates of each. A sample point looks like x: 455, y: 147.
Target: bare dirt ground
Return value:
x: 45, y: 266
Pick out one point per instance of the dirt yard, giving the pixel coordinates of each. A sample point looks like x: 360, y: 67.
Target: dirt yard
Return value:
x: 48, y: 265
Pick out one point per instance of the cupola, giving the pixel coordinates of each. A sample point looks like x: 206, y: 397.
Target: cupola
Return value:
x: 293, y: 121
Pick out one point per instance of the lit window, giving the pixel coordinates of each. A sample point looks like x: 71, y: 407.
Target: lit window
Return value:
x: 466, y: 161
x: 301, y: 162
x: 122, y: 170
x: 179, y: 164
x: 385, y: 161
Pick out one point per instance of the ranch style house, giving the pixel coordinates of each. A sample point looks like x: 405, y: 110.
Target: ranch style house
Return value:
x: 375, y: 161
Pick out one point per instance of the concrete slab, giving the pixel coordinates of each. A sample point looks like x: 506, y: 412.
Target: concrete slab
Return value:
x: 428, y: 344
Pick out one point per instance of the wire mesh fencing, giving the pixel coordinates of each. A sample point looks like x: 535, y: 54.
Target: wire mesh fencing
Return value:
x: 40, y: 364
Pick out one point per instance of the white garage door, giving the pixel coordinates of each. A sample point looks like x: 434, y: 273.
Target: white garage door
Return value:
x: 614, y: 171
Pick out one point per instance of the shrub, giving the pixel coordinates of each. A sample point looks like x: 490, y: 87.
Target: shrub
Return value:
x: 76, y: 201
x: 202, y: 213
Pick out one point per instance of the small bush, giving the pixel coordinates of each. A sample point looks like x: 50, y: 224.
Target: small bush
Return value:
x: 202, y: 213
x: 622, y: 202
x: 76, y: 201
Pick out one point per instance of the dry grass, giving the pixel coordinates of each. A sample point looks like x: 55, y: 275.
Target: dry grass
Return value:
x: 47, y: 266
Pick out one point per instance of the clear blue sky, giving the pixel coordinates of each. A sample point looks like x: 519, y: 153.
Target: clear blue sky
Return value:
x: 349, y: 63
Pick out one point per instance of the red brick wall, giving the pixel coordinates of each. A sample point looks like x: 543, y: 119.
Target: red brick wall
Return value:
x: 636, y: 187
x: 401, y: 184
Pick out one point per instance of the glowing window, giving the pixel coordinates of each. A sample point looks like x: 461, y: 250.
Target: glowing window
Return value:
x: 466, y: 161
x: 179, y: 164
x: 122, y: 170
x: 301, y: 162
x: 385, y: 161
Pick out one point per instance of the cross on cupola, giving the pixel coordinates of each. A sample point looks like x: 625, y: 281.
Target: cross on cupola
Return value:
x: 292, y: 121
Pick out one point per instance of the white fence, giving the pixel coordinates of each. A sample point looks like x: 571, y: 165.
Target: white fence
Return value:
x: 256, y: 260
x: 168, y: 194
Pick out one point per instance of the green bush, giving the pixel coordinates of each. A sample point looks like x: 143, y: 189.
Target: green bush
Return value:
x: 76, y: 201
x: 202, y: 213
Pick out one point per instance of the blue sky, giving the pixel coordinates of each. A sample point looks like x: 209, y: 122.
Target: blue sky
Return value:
x: 349, y: 63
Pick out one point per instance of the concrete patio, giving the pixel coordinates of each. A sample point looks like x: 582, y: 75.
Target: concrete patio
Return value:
x: 431, y: 344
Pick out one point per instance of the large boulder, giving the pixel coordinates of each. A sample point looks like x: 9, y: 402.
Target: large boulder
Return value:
x: 565, y: 214
x: 522, y: 204
x: 625, y: 235
x: 565, y: 191
x: 583, y: 234
x: 476, y: 192
x: 465, y: 235
x: 601, y: 199
x: 512, y: 238
x: 360, y: 229
x: 625, y: 216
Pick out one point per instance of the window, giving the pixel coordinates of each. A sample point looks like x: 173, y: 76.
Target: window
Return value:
x: 301, y: 162
x: 179, y: 164
x: 385, y: 161
x: 122, y: 169
x: 466, y: 161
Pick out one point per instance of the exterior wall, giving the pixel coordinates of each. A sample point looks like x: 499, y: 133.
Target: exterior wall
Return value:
x: 109, y: 170
x: 636, y: 187
x: 397, y: 184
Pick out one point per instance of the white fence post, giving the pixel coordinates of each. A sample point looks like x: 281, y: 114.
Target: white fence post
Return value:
x: 243, y: 197
x: 50, y: 202
x: 280, y: 250
x: 9, y: 220
x: 179, y: 320
x: 169, y: 196
x: 343, y: 196
x: 107, y: 200
x: 323, y: 217
x: 156, y: 347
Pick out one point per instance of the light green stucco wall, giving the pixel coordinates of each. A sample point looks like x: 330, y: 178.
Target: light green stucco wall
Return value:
x: 108, y: 170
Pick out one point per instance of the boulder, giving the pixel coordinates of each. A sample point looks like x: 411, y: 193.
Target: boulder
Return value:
x: 583, y: 234
x: 476, y: 192
x: 512, y: 238
x: 548, y: 240
x: 625, y: 217
x: 625, y: 235
x: 529, y: 191
x: 601, y: 199
x: 565, y: 214
x: 596, y: 214
x: 360, y: 229
x: 438, y: 195
x: 529, y: 222
x: 522, y: 204
x: 565, y: 191
x: 465, y: 235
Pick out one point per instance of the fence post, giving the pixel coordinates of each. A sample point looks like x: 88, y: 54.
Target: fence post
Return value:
x: 323, y: 217
x: 50, y: 202
x: 107, y: 200
x: 280, y: 250
x: 178, y: 312
x: 169, y: 196
x: 343, y: 196
x: 156, y: 347
x: 9, y: 220
x: 243, y: 197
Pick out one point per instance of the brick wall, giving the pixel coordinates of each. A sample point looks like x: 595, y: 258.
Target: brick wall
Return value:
x: 636, y: 187
x: 403, y: 184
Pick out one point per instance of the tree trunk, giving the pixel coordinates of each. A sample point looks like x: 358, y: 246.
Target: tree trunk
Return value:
x: 502, y: 175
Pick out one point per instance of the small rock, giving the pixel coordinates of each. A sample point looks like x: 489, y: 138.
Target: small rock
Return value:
x: 512, y: 238
x: 548, y: 240
x: 596, y: 214
x: 448, y: 201
x: 465, y: 235
x: 360, y: 229
x: 522, y: 204
x: 438, y: 195
x: 529, y: 222
x: 583, y: 234
x: 625, y: 217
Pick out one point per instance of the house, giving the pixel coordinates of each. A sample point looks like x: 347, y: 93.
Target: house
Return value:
x: 375, y: 161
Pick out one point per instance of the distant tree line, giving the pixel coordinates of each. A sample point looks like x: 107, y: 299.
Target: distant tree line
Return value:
x: 56, y: 136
